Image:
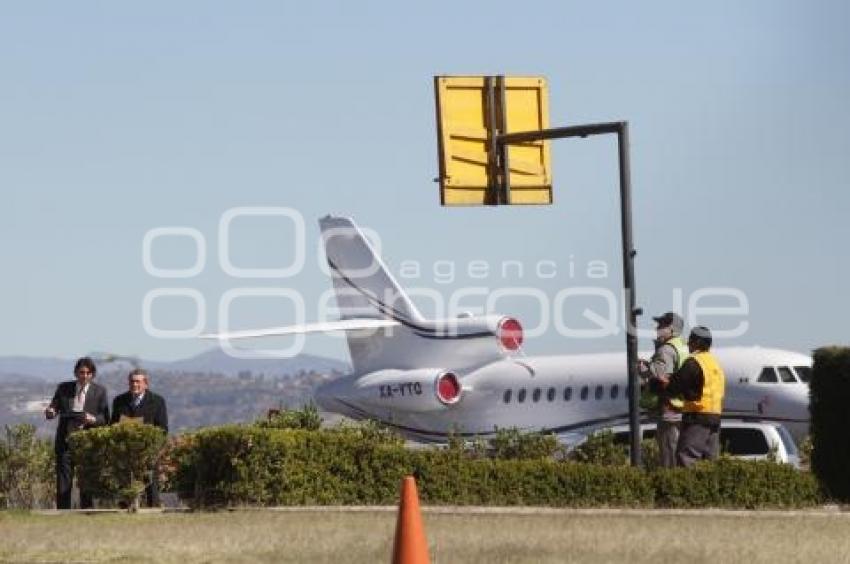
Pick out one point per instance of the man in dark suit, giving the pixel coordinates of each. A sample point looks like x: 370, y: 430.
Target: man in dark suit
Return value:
x: 80, y: 404
x: 142, y: 405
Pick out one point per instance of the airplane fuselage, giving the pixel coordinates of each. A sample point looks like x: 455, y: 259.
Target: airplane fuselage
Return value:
x: 561, y: 394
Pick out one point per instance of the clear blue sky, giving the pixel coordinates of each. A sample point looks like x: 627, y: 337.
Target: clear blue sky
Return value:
x: 119, y: 117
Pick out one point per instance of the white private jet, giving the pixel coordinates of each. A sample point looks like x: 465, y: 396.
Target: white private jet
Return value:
x: 466, y: 376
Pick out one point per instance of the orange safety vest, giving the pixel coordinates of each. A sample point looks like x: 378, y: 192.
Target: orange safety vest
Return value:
x: 713, y: 386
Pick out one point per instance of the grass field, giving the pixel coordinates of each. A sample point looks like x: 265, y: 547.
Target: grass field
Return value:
x: 345, y: 536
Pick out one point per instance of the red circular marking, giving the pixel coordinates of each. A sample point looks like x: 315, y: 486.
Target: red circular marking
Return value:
x: 448, y: 388
x: 510, y: 334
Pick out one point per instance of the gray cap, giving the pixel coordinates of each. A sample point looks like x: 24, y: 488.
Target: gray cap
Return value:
x: 672, y: 320
x: 702, y: 336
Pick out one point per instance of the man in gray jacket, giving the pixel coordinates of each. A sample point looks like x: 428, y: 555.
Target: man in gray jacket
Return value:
x: 670, y: 353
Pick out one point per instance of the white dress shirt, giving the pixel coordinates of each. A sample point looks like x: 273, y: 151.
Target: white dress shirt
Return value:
x: 79, y: 397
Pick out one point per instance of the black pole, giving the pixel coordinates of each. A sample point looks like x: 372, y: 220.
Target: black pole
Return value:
x: 629, y: 290
x: 561, y: 132
x: 621, y: 128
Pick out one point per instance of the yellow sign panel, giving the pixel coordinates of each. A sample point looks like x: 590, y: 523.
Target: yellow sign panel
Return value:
x: 465, y: 132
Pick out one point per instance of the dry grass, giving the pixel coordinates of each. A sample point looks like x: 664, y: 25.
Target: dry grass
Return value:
x: 338, y: 537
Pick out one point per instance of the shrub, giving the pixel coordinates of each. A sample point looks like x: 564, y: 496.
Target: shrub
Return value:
x: 806, y: 453
x: 371, y: 431
x: 27, y: 479
x: 542, y: 482
x: 511, y: 444
x: 600, y: 448
x: 305, y: 418
x: 237, y: 465
x: 171, y: 457
x: 248, y: 465
x: 650, y: 454
x: 829, y: 396
x: 476, y: 447
x: 735, y: 484
x: 114, y: 461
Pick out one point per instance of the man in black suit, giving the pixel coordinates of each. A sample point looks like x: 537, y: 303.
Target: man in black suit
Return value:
x: 80, y: 404
x: 142, y: 405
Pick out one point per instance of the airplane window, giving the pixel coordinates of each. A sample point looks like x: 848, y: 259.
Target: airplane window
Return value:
x: 550, y: 394
x: 599, y: 392
x: 768, y: 374
x: 615, y: 391
x: 536, y: 395
x: 520, y: 396
x: 786, y: 375
x: 804, y: 372
x: 568, y: 393
x: 507, y: 397
x: 584, y: 391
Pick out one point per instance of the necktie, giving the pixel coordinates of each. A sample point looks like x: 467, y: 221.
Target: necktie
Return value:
x: 80, y: 400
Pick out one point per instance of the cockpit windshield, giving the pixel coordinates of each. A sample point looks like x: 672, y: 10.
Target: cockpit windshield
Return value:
x: 786, y: 374
x: 768, y: 375
x: 804, y: 372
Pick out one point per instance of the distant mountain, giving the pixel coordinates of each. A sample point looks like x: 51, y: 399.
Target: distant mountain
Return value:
x: 217, y: 361
x: 213, y: 361
x: 48, y: 369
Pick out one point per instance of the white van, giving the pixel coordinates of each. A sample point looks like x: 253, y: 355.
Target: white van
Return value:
x: 751, y: 440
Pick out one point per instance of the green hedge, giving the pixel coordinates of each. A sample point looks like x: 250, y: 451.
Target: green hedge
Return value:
x: 445, y: 479
x: 733, y: 483
x: 248, y: 465
x: 252, y: 465
x: 114, y: 461
x: 829, y: 399
x: 27, y: 477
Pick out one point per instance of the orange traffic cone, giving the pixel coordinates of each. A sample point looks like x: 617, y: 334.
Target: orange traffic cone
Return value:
x: 411, y: 546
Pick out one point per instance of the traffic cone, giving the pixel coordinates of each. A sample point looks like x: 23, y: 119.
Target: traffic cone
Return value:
x: 411, y: 546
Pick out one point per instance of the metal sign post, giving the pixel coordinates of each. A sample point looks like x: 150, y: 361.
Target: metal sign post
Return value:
x: 483, y: 162
x: 621, y: 129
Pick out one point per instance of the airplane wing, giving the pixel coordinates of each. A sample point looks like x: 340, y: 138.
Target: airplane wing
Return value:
x: 322, y: 327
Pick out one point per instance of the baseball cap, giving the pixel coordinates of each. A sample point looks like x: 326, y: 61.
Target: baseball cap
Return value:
x: 670, y: 319
x: 701, y: 335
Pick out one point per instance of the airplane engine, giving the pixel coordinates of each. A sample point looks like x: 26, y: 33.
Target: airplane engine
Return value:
x: 507, y: 330
x: 510, y: 335
x: 420, y: 390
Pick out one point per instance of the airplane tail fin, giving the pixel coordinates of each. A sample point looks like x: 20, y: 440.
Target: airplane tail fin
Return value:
x: 363, y: 284
x: 364, y: 289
